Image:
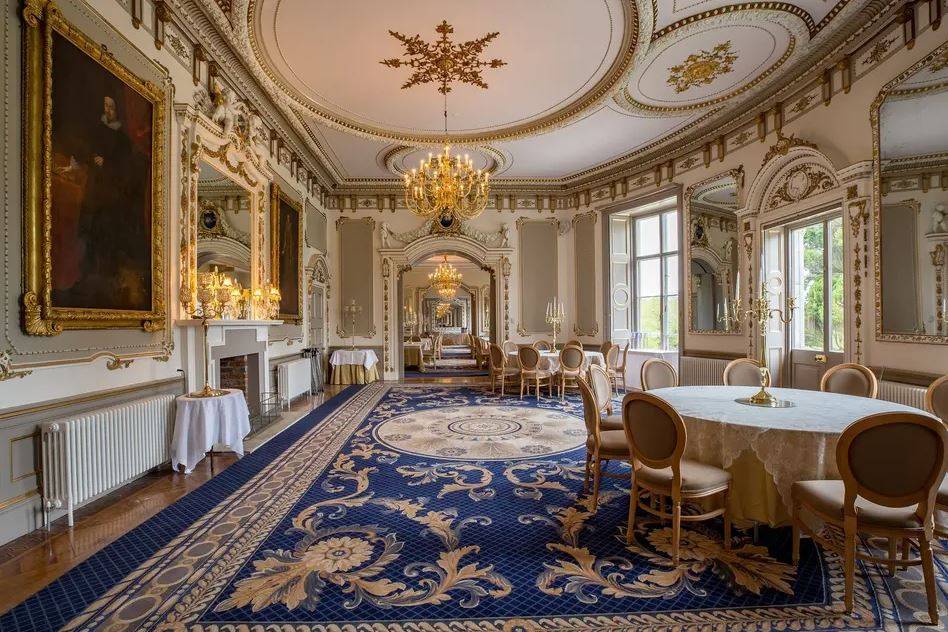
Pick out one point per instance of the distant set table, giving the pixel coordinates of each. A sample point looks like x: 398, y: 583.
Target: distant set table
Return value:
x: 550, y: 360
x: 354, y: 366
x: 414, y: 353
x: 768, y: 449
x: 203, y: 422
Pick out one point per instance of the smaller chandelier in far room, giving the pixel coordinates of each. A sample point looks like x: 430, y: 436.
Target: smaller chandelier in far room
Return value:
x: 445, y: 280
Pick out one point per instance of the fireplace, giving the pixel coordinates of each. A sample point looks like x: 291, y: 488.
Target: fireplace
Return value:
x: 242, y: 373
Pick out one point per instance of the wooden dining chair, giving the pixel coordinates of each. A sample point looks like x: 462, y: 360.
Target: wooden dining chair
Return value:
x: 574, y: 343
x: 743, y: 372
x: 499, y: 369
x: 571, y: 367
x: 542, y: 345
x: 530, y: 371
x: 850, y: 379
x: 618, y: 376
x: 611, y: 357
x: 602, y: 445
x: 891, y: 465
x: 658, y: 373
x: 656, y: 435
x: 604, y: 347
x: 601, y: 386
x: 936, y: 401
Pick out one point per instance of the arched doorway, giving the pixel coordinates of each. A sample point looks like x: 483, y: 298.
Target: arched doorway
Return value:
x: 494, y: 262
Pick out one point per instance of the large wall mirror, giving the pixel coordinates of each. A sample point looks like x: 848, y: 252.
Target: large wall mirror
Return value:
x: 911, y: 204
x: 223, y: 226
x: 712, y: 267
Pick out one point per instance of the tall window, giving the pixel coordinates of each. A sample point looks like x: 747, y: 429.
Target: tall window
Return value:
x: 644, y: 276
x: 816, y: 276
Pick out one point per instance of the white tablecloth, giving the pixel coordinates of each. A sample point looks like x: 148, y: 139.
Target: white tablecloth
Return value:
x: 202, y: 422
x: 550, y: 360
x: 359, y: 357
x: 794, y: 444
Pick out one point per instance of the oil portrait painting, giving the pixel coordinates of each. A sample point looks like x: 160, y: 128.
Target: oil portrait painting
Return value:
x: 287, y: 254
x: 98, y: 259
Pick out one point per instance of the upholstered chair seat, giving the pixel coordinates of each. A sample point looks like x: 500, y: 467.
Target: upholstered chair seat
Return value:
x: 696, y: 478
x: 612, y: 422
x: 850, y: 379
x: 829, y: 498
x: 612, y: 444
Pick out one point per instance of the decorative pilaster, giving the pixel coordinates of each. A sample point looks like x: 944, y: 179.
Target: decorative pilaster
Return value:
x: 858, y: 224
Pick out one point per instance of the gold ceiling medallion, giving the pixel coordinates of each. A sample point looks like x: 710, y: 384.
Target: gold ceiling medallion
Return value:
x: 445, y: 188
x: 702, y: 68
x: 443, y: 61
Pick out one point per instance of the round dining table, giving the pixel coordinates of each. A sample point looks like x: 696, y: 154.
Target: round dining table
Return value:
x: 767, y: 449
x: 550, y: 360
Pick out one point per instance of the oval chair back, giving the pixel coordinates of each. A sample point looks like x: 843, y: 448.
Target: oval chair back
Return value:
x: 601, y: 386
x: 936, y: 398
x: 894, y: 460
x: 498, y: 359
x: 604, y: 347
x: 529, y: 359
x: 743, y: 372
x: 850, y: 379
x: 612, y: 357
x: 571, y: 359
x: 625, y: 358
x: 658, y: 373
x: 542, y: 345
x: 655, y: 432
x: 510, y: 346
x: 590, y: 411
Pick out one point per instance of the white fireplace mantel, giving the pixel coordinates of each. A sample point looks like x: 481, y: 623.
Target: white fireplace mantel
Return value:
x: 218, y: 339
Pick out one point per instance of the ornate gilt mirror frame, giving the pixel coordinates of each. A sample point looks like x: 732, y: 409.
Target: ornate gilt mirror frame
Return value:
x: 874, y: 116
x: 737, y: 175
x: 277, y: 195
x: 233, y: 155
x: 41, y: 317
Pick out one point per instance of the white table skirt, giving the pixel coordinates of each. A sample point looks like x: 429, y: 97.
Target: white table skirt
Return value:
x: 550, y: 360
x: 359, y: 357
x: 202, y: 422
x: 794, y: 444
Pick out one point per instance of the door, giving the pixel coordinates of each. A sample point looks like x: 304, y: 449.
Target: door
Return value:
x: 318, y: 318
x: 816, y: 335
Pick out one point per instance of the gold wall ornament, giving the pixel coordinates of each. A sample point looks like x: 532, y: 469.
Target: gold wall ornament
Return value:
x: 40, y: 316
x: 116, y: 363
x: 278, y: 200
x: 783, y: 146
x: 703, y: 67
x: 858, y: 216
x: 7, y: 372
x: 800, y: 182
x: 443, y: 62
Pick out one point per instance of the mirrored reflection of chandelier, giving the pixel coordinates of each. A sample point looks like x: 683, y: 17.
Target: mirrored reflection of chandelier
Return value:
x: 445, y: 186
x: 442, y: 309
x: 446, y: 279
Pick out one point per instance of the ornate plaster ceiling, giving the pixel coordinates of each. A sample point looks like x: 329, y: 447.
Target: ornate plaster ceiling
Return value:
x: 587, y: 83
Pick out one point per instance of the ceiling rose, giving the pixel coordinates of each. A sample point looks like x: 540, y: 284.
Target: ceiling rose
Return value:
x: 570, y: 57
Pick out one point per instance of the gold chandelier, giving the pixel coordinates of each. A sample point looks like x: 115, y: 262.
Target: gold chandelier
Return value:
x: 445, y: 279
x: 442, y: 310
x: 445, y: 186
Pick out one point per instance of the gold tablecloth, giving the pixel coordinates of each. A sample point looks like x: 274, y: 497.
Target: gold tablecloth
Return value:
x: 354, y: 374
x: 413, y: 356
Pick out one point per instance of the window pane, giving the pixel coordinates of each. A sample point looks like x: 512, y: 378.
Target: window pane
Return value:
x: 650, y: 322
x: 670, y: 238
x: 807, y: 266
x: 647, y: 236
x: 671, y: 322
x: 837, y: 315
x: 671, y: 275
x: 649, y: 277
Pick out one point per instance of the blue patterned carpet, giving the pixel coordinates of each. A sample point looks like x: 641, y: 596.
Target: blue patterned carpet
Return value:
x: 443, y: 508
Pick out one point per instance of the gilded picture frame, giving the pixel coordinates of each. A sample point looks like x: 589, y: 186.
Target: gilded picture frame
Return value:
x: 40, y: 315
x: 284, y: 232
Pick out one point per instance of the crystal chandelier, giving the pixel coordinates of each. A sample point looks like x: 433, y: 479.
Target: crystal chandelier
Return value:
x: 445, y: 186
x: 442, y: 310
x: 445, y: 280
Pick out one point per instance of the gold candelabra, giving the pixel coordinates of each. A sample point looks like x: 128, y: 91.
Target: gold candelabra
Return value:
x: 411, y: 319
x: 760, y: 312
x: 352, y: 310
x: 555, y: 315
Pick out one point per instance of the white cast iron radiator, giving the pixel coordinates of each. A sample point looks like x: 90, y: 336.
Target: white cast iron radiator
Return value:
x: 294, y: 378
x: 88, y: 456
x: 907, y: 394
x: 702, y: 371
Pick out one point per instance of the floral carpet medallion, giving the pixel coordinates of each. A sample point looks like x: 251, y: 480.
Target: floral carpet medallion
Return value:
x: 357, y: 519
